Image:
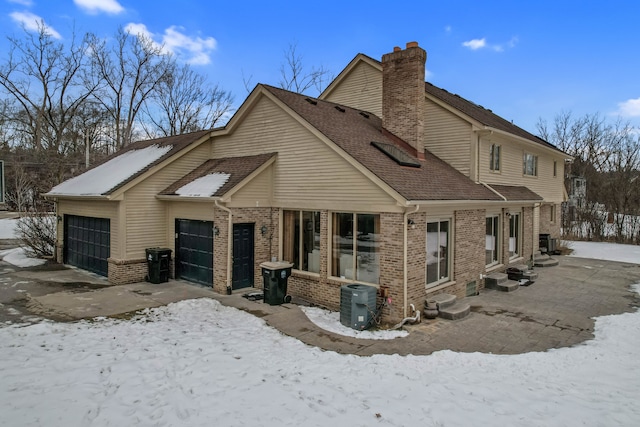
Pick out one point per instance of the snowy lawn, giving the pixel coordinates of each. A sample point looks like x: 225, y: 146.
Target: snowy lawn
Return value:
x: 606, y: 251
x: 8, y: 228
x: 198, y: 363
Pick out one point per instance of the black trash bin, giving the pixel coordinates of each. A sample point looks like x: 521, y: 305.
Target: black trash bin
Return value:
x: 158, y: 260
x: 275, y: 275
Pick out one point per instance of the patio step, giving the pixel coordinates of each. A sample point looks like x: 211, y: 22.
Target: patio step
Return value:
x: 456, y: 311
x: 500, y: 282
x: 442, y: 300
x: 544, y: 261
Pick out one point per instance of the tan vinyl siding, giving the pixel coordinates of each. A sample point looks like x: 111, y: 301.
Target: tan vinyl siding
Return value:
x: 297, y: 180
x: 186, y: 210
x: 255, y: 194
x: 361, y: 89
x: 95, y: 209
x: 146, y: 215
x: 448, y: 137
x: 512, y: 152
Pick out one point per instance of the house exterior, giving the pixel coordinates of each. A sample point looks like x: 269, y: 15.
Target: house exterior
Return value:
x: 384, y: 180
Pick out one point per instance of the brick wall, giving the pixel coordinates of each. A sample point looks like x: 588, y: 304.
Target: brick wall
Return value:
x: 548, y: 226
x: 469, y: 249
x: 122, y: 272
x: 527, y: 234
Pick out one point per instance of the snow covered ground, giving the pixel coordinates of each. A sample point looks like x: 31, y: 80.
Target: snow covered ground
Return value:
x: 606, y: 251
x: 198, y: 363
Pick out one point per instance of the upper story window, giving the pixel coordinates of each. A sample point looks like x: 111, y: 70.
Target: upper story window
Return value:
x: 530, y: 164
x: 555, y: 168
x: 494, y: 157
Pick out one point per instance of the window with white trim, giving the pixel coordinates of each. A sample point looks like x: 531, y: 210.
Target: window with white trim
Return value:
x: 356, y: 246
x: 301, y: 240
x: 492, y: 239
x: 530, y: 164
x: 494, y: 157
x: 438, y: 251
x: 514, y: 235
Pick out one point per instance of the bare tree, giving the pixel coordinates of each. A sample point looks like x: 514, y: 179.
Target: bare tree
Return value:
x: 130, y: 71
x: 184, y: 102
x: 48, y: 82
x: 294, y: 76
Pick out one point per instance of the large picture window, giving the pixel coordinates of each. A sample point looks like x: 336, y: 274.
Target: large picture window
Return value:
x: 494, y: 157
x: 514, y: 235
x: 301, y: 240
x: 491, y: 239
x: 530, y: 164
x: 356, y: 247
x: 438, y: 251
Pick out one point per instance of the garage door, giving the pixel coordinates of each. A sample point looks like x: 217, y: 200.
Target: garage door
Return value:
x: 87, y: 243
x: 194, y: 251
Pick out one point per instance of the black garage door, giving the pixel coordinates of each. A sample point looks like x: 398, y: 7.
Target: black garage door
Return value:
x: 194, y: 251
x: 87, y: 243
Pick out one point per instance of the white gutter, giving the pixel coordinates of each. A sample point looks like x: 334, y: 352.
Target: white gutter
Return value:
x: 229, y: 242
x: 405, y: 266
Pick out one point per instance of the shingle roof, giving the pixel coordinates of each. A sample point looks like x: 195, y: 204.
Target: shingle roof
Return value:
x: 178, y: 142
x: 483, y: 115
x: 353, y: 131
x: 237, y: 167
x: 513, y: 193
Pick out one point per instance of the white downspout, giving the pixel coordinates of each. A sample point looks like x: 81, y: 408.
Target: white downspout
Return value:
x: 405, y: 267
x: 229, y: 242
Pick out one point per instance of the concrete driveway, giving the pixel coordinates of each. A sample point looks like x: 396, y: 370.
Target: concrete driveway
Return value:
x: 556, y: 311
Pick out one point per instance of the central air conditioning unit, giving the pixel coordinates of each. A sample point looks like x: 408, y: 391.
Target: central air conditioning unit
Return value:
x: 357, y: 305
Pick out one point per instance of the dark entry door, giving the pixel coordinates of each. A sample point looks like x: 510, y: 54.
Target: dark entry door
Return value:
x: 242, y: 255
x: 87, y: 243
x: 194, y: 251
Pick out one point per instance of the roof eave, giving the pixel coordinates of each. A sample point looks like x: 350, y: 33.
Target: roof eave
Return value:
x: 56, y: 196
x: 177, y: 198
x: 527, y: 141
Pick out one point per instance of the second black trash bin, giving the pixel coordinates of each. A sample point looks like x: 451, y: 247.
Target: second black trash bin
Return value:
x: 275, y: 275
x: 158, y: 260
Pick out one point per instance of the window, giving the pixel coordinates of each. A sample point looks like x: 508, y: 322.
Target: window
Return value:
x: 491, y: 240
x: 555, y: 168
x: 494, y: 157
x: 514, y: 235
x: 552, y: 213
x: 530, y: 165
x: 359, y: 235
x: 438, y: 252
x: 301, y: 240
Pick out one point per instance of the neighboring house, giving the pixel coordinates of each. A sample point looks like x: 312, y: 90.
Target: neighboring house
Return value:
x: 384, y: 180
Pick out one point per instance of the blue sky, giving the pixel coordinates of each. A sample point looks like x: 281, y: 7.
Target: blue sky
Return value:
x: 523, y: 60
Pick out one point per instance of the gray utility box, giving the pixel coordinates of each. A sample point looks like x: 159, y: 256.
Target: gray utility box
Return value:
x: 275, y: 276
x: 158, y: 260
x: 357, y: 305
x: 547, y: 244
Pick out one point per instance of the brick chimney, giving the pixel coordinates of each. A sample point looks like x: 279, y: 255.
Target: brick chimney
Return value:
x: 403, y: 94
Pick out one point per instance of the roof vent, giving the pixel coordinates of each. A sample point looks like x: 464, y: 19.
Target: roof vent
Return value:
x: 311, y: 101
x: 396, y: 154
x: 339, y: 108
x: 363, y: 114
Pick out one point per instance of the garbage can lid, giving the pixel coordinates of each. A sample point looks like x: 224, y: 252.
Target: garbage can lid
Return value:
x: 277, y: 265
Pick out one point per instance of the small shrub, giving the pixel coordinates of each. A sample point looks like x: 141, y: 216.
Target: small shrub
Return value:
x: 38, y: 232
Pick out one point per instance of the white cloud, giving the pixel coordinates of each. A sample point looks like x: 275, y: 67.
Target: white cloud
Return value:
x: 94, y: 7
x: 32, y: 22
x: 475, y: 44
x: 448, y: 29
x: 629, y: 108
x: 195, y: 50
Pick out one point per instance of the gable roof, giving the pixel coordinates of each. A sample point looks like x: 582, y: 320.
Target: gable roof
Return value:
x: 124, y: 166
x: 236, y: 168
x: 353, y: 131
x: 482, y: 115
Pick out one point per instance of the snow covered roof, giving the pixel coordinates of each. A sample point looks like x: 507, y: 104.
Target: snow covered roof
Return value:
x: 108, y: 175
x: 205, y: 186
x: 216, y: 177
x: 125, y: 165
